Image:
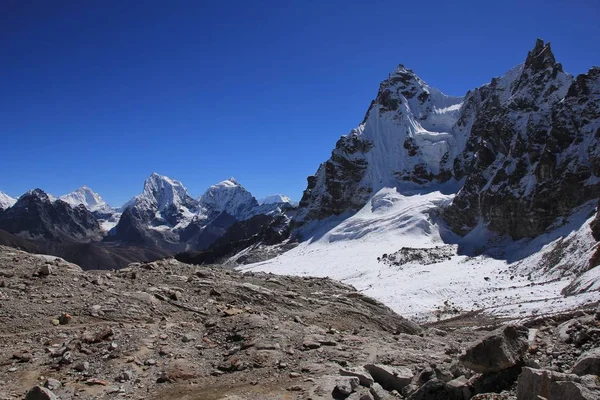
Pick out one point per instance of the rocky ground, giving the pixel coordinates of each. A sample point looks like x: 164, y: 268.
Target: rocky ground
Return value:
x: 168, y: 330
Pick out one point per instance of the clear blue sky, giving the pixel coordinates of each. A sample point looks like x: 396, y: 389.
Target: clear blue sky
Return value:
x: 105, y: 92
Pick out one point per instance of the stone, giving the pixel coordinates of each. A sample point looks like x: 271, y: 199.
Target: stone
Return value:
x: 437, y: 389
x: 188, y: 337
x: 378, y: 392
x: 390, y: 378
x: 588, y: 363
x: 495, y: 381
x: 52, y: 384
x: 40, y: 393
x: 363, y: 376
x: 344, y: 387
x: 98, y: 336
x: 534, y: 384
x: 361, y: 395
x: 82, y: 366
x: 501, y: 350
x: 64, y: 318
x: 45, y: 270
x: 311, y: 344
x: 460, y: 385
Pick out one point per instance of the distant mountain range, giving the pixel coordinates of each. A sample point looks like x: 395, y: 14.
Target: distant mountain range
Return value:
x: 164, y: 217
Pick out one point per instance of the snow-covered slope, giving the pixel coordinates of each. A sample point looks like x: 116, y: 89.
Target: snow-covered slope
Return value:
x: 276, y: 199
x: 369, y: 251
x: 407, y: 136
x: 89, y: 199
x: 230, y: 197
x: 6, y: 201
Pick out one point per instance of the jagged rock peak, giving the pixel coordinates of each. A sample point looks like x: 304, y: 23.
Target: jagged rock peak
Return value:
x: 39, y: 193
x: 163, y: 192
x: 541, y: 57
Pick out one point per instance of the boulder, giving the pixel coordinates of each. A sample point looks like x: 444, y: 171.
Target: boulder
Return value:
x: 390, y: 378
x: 345, y: 386
x: 534, y: 384
x: 436, y: 389
x: 501, y: 350
x: 363, y: 376
x: 378, y: 392
x: 40, y: 393
x: 588, y: 363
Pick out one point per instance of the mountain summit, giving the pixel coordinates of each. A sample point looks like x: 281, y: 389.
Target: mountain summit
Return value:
x: 88, y: 198
x: 230, y: 197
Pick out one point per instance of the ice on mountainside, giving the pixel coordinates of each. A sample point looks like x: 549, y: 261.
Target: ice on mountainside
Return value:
x: 6, y: 201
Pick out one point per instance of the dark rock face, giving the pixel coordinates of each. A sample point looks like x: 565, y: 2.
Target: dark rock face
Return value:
x: 34, y: 215
x: 240, y: 235
x: 91, y: 255
x: 595, y: 225
x: 533, y: 149
x: 336, y: 186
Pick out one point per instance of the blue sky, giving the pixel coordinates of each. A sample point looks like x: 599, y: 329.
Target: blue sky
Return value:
x: 103, y: 93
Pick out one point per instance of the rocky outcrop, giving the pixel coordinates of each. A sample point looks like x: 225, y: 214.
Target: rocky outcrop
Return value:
x: 36, y: 216
x: 533, y: 153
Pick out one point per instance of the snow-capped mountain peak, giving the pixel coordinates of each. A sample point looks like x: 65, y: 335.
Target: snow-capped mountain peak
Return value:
x: 6, y: 201
x: 163, y: 192
x: 228, y: 196
x: 86, y: 196
x: 275, y: 199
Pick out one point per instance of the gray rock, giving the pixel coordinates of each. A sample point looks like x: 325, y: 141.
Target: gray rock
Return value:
x: 435, y: 389
x: 501, y: 350
x: 536, y: 383
x: 45, y: 270
x: 52, y: 384
x: 346, y: 386
x: 378, y: 392
x: 82, y: 366
x: 40, y: 393
x: 188, y: 337
x: 390, y: 378
x: 363, y: 376
x: 360, y: 395
x: 460, y: 385
x: 588, y: 363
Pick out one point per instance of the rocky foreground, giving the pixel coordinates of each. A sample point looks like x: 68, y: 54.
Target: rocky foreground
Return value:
x: 168, y: 330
